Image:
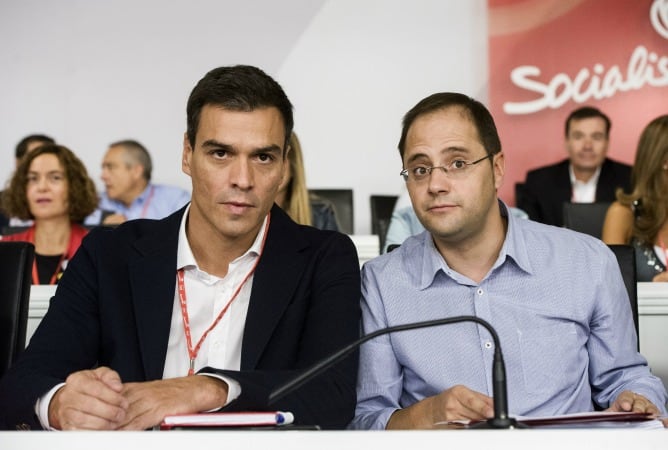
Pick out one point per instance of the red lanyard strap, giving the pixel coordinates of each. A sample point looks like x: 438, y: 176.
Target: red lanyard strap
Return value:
x: 147, y: 203
x: 193, y: 351
x: 35, y: 272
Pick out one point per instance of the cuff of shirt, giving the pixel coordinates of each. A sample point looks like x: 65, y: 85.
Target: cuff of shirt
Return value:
x: 233, y: 388
x: 42, y: 407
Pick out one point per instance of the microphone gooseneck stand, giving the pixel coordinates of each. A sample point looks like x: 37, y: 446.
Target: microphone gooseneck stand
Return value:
x: 500, y: 420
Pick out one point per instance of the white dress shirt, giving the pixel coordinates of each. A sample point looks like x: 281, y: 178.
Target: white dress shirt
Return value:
x: 583, y: 191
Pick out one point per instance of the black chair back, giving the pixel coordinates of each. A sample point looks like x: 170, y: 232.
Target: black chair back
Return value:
x: 342, y: 199
x: 626, y: 258
x: 586, y: 217
x: 15, y: 280
x: 381, y: 214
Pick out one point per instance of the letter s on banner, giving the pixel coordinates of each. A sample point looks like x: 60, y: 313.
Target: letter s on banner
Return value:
x: 520, y: 77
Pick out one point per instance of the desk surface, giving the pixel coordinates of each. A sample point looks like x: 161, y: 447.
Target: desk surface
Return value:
x: 591, y: 439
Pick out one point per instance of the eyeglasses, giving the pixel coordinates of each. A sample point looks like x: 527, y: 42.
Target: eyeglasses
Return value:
x: 457, y: 168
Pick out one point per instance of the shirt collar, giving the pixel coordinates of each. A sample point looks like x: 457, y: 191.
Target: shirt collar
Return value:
x: 593, y: 181
x: 185, y: 257
x: 141, y: 198
x: 514, y: 248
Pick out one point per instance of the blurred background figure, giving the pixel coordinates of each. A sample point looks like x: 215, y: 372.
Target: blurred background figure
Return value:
x: 126, y: 174
x: 30, y: 143
x: 25, y: 145
x: 52, y: 188
x: 640, y: 218
x: 586, y: 176
x: 293, y: 196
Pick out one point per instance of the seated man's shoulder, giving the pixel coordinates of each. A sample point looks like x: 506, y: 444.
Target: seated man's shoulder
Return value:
x: 401, y: 257
x: 132, y: 230
x: 556, y: 241
x: 547, y: 170
x: 618, y: 166
x: 168, y: 189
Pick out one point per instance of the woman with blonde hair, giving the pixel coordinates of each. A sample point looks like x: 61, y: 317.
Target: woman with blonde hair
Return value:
x: 51, y: 187
x: 293, y: 196
x: 640, y: 218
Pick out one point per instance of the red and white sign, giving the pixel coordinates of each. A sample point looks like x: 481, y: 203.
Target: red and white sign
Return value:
x: 549, y: 57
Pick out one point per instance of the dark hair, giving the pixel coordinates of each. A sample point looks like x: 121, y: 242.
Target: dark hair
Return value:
x: 22, y: 146
x: 476, y: 111
x: 134, y: 154
x: 82, y: 196
x: 587, y: 112
x: 238, y: 88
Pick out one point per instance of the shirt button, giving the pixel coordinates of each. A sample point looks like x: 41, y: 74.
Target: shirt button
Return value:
x: 488, y: 344
x: 480, y: 291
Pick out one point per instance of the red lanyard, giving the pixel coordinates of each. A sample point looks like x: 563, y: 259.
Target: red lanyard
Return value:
x: 147, y: 203
x: 193, y: 351
x: 54, y: 277
x: 35, y: 273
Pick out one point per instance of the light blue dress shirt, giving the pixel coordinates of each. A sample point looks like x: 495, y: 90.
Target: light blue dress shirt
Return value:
x: 157, y: 201
x: 556, y: 299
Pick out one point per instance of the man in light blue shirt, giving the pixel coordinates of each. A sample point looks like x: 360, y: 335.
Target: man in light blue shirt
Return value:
x: 555, y: 297
x: 129, y: 193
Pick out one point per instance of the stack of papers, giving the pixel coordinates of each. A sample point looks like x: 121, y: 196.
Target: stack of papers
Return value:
x: 601, y: 419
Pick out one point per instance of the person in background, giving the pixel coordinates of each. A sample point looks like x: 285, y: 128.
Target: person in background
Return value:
x: 640, y: 217
x: 293, y: 196
x: 565, y: 324
x: 586, y: 176
x: 30, y: 143
x: 25, y: 146
x: 129, y: 194
x: 50, y: 187
x: 213, y: 307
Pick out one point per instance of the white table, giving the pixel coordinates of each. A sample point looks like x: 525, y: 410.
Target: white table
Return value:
x: 590, y: 439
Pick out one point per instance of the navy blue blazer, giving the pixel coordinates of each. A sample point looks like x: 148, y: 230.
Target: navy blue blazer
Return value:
x: 546, y: 189
x: 113, y: 307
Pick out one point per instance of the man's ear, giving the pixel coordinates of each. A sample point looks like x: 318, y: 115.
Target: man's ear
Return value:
x: 186, y: 155
x: 499, y: 168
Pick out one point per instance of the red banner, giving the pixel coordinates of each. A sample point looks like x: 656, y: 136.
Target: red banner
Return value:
x: 549, y: 57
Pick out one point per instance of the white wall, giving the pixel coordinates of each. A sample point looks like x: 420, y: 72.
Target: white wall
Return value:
x: 91, y: 72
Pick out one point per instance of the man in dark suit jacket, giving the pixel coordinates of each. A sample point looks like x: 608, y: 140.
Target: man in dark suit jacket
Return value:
x: 115, y: 350
x: 587, y: 175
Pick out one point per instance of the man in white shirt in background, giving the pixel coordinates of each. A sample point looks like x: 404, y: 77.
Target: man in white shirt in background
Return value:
x: 586, y: 176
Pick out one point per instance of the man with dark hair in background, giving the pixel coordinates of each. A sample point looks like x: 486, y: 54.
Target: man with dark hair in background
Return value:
x: 129, y: 193
x: 30, y: 143
x: 214, y: 306
x: 586, y: 176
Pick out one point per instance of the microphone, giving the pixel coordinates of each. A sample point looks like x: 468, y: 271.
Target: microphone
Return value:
x: 499, y: 388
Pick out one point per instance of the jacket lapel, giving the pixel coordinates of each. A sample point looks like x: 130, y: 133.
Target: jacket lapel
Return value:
x: 152, y: 276
x: 274, y: 282
x: 606, y: 185
x: 563, y: 188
